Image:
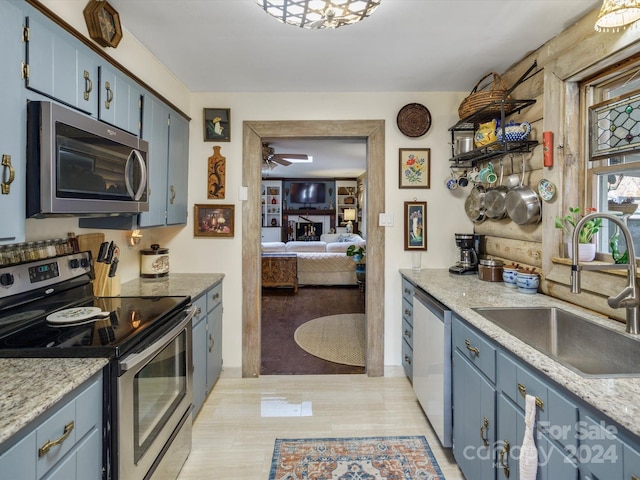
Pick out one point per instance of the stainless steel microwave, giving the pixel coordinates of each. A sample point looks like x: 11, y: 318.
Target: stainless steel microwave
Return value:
x: 77, y: 165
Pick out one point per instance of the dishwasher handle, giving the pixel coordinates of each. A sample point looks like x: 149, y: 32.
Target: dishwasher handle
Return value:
x: 439, y: 309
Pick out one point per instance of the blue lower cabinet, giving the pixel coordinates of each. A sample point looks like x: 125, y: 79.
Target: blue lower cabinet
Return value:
x: 474, y: 420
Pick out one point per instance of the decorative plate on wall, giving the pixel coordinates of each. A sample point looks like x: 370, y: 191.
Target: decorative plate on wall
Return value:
x: 414, y: 120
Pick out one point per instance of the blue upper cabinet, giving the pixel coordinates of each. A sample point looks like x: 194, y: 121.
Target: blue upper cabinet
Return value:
x: 155, y: 130
x: 12, y: 126
x: 60, y: 66
x: 178, y: 169
x: 119, y: 100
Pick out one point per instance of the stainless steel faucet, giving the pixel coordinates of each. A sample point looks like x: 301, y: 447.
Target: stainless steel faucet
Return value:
x: 628, y: 298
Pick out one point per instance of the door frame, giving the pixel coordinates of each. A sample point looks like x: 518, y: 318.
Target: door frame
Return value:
x: 372, y: 131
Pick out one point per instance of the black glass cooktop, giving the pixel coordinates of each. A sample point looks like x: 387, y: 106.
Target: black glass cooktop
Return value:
x: 25, y: 331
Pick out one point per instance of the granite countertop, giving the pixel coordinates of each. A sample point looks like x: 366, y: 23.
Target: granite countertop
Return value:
x: 29, y: 386
x: 192, y: 284
x: 615, y: 397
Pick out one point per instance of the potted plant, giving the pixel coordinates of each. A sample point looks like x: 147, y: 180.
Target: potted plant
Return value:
x: 358, y: 254
x: 586, y: 249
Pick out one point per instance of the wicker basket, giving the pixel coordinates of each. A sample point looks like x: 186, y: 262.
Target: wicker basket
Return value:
x: 480, y: 99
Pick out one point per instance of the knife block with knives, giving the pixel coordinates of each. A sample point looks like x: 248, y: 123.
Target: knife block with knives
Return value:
x: 106, y: 282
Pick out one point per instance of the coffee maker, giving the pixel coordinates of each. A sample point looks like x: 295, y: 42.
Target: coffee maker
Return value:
x: 469, y: 245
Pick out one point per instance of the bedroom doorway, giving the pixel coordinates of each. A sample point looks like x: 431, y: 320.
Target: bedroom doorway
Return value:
x: 372, y: 132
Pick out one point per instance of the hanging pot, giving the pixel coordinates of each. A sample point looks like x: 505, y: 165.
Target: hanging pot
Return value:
x: 474, y: 204
x: 495, y: 199
x: 523, y: 203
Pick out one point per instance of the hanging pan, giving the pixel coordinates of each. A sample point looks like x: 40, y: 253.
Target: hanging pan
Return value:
x: 474, y: 204
x: 495, y: 199
x: 523, y: 203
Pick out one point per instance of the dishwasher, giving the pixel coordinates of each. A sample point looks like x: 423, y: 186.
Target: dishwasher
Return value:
x: 432, y: 363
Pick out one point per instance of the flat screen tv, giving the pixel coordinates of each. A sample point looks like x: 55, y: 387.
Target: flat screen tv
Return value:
x: 307, y: 192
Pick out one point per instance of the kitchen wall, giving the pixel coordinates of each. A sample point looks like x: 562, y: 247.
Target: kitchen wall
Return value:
x: 445, y: 209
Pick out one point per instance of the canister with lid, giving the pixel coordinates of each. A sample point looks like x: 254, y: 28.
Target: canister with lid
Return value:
x: 154, y: 262
x: 490, y: 270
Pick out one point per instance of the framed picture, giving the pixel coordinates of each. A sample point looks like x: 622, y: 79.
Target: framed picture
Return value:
x: 217, y: 124
x: 415, y: 168
x: 415, y: 225
x: 213, y: 220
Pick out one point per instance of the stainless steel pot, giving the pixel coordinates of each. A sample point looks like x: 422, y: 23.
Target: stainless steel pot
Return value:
x: 474, y: 204
x: 495, y: 199
x: 523, y: 203
x: 463, y: 145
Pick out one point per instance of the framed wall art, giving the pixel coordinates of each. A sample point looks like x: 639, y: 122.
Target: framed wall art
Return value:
x: 217, y: 124
x: 415, y: 225
x: 213, y: 220
x: 415, y: 168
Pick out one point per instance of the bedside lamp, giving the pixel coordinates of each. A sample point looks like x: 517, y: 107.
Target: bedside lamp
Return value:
x: 349, y: 216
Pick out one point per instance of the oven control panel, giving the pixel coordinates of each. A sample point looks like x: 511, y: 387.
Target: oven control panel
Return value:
x: 27, y: 276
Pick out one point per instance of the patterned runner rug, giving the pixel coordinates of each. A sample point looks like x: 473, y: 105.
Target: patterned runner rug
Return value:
x: 336, y: 338
x: 373, y: 458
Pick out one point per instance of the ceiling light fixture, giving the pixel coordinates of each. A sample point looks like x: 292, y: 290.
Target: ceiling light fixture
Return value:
x: 315, y: 14
x: 616, y: 15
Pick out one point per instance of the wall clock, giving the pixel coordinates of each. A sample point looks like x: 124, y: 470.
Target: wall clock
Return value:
x: 103, y: 23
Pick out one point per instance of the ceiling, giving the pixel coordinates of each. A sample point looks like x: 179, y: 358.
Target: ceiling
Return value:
x: 405, y: 45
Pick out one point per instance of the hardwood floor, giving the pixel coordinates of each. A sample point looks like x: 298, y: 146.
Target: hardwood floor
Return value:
x: 283, y: 311
x: 234, y: 434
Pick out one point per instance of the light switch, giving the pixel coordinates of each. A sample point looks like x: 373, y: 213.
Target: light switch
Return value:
x: 385, y: 219
x: 243, y: 194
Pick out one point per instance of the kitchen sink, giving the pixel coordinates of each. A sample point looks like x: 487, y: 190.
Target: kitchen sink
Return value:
x: 580, y: 344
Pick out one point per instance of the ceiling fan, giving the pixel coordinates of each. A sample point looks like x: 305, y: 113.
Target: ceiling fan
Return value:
x: 271, y: 160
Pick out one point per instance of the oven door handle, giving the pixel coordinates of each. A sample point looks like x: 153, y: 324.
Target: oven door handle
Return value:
x: 134, y: 360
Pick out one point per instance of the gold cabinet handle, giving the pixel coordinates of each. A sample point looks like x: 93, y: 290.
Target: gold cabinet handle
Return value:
x: 407, y: 333
x: 198, y: 312
x: 407, y: 291
x: 7, y: 180
x: 173, y: 195
x: 407, y: 312
x: 107, y: 102
x: 473, y: 350
x: 215, y: 296
x: 211, y: 343
x: 407, y: 359
x: 505, y: 452
x: 88, y: 84
x: 484, y: 428
x: 633, y: 477
x: 42, y: 451
x: 523, y: 392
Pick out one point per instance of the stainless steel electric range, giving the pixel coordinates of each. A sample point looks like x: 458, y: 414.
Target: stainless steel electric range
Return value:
x: 47, y: 309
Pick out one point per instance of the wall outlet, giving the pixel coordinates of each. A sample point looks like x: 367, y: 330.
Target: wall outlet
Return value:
x: 385, y: 219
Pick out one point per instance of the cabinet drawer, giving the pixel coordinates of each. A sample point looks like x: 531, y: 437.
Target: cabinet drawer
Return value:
x: 407, y: 359
x: 83, y: 414
x: 407, y: 311
x: 214, y: 297
x: 473, y: 347
x: 407, y: 332
x: 201, y: 308
x: 515, y: 382
x: 407, y: 290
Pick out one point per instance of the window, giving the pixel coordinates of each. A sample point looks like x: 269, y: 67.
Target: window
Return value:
x: 613, y: 162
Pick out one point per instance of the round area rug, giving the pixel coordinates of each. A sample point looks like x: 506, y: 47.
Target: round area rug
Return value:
x: 336, y: 338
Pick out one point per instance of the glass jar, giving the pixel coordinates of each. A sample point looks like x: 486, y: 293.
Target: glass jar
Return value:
x: 41, y: 247
x: 73, y: 242
x: 26, y: 251
x: 60, y: 244
x: 3, y: 256
x: 51, y: 248
x: 11, y: 255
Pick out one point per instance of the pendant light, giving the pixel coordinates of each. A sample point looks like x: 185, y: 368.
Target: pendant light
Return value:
x: 616, y: 15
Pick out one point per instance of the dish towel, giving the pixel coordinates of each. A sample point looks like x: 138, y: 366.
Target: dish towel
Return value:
x: 529, y: 452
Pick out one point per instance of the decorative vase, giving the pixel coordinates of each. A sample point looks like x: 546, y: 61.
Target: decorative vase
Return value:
x: 586, y: 251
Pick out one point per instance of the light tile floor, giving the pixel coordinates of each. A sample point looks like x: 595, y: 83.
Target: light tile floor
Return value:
x: 234, y: 433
